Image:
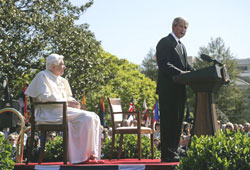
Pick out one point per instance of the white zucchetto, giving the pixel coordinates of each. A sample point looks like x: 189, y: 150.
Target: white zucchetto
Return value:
x: 52, y: 59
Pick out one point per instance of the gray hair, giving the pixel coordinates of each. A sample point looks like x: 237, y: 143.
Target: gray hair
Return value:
x: 53, y: 59
x: 179, y: 19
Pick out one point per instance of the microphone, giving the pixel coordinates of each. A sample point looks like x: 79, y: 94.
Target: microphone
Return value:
x: 210, y: 59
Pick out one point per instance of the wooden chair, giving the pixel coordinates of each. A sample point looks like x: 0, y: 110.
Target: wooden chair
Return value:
x: 117, y: 116
x: 44, y: 128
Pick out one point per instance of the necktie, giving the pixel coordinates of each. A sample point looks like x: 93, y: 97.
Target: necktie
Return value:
x: 180, y: 45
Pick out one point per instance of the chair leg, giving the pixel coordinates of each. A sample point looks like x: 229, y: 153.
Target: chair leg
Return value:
x: 139, y: 145
x: 120, y: 146
x: 30, y: 146
x: 65, y: 146
x: 152, y: 145
x: 42, y: 146
x: 113, y: 145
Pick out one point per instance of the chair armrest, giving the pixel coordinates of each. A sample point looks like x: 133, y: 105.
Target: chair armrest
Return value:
x: 127, y: 113
x: 138, y: 117
x: 54, y: 102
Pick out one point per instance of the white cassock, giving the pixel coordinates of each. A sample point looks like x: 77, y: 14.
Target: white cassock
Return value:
x: 84, y: 127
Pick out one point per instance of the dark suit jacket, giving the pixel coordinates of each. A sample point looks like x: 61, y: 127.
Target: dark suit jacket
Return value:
x: 170, y: 63
x: 172, y: 96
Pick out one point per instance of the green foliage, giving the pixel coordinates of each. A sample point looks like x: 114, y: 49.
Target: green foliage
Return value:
x: 124, y: 80
x: 221, y: 116
x: 54, y: 150
x: 6, y: 149
x: 129, y: 148
x: 30, y: 30
x: 149, y: 65
x: 229, y: 99
x: 227, y: 151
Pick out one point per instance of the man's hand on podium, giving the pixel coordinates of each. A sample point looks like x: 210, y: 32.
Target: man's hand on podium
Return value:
x: 184, y: 72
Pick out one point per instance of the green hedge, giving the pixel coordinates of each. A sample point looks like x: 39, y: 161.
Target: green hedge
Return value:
x: 129, y: 147
x: 224, y: 151
x: 6, y: 162
x: 54, y: 149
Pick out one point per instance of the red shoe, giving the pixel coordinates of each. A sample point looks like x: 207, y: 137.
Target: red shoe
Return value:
x: 94, y: 159
x: 100, y: 161
x: 91, y: 162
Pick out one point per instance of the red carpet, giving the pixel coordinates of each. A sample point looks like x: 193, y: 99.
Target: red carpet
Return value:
x: 114, y: 164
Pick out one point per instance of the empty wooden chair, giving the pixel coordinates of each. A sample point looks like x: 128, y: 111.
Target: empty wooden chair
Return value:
x: 117, y: 116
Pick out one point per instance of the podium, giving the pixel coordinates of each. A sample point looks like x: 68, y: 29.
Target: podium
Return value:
x: 205, y: 82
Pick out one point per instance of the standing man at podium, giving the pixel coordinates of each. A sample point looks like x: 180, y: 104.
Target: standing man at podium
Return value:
x: 172, y: 60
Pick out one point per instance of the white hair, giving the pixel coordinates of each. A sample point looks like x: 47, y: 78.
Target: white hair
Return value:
x: 53, y: 59
x: 177, y: 20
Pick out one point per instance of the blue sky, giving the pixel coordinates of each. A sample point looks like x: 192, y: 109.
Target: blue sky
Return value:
x: 130, y: 28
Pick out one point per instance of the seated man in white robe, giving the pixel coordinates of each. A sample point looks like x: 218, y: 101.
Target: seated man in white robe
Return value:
x: 84, y: 129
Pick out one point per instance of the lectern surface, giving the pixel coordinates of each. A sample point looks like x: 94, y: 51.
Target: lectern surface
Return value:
x: 208, y: 79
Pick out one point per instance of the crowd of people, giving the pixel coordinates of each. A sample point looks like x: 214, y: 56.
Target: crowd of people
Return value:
x: 244, y: 128
x: 13, y: 138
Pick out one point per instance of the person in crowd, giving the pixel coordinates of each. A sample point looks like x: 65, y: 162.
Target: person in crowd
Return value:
x: 236, y: 127
x: 6, y: 132
x: 230, y: 126
x: 52, y: 135
x: 35, y: 152
x: 126, y: 123
x: 84, y: 128
x: 186, y: 135
x: 105, y: 134
x: 219, y: 124
x: 246, y: 127
x: 109, y: 134
x: 17, y: 132
x: 129, y: 122
x: 12, y: 138
x: 172, y: 61
x: 157, y: 143
x: 241, y: 128
x: 157, y: 131
x: 187, y: 129
x: 223, y: 127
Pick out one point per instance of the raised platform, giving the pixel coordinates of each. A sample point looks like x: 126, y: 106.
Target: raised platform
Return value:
x: 114, y: 164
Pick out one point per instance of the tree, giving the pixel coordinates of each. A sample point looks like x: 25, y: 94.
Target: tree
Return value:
x: 149, y: 65
x: 123, y: 80
x: 30, y: 30
x: 229, y: 99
